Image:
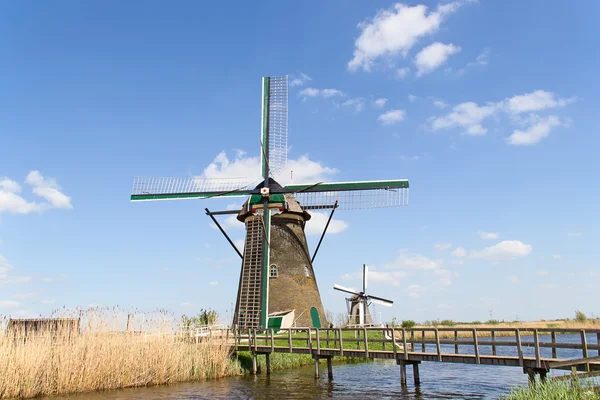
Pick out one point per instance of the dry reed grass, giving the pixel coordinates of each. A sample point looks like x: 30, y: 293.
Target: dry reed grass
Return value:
x: 50, y: 363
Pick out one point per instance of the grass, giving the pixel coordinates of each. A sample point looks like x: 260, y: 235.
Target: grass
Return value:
x: 101, y: 359
x: 554, y: 390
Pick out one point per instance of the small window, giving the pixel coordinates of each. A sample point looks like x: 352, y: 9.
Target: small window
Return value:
x: 273, y: 271
x: 306, y: 271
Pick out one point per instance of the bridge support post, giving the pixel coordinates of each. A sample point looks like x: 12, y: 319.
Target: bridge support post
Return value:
x: 268, y: 362
x: 416, y: 374
x: 316, y: 358
x: 330, y: 368
x: 402, y: 373
x: 254, y: 364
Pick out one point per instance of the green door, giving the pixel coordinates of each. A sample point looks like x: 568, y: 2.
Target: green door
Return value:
x: 314, y: 315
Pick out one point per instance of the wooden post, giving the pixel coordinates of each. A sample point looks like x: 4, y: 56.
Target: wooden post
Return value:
x: 519, y: 347
x: 318, y: 342
x: 404, y: 344
x: 268, y: 362
x: 357, y: 336
x: 235, y: 338
x: 366, y: 339
x: 598, y: 341
x: 416, y: 374
x: 584, y: 344
x: 327, y: 343
x: 437, y: 345
x: 341, y: 342
x: 310, y: 341
x: 330, y: 367
x: 384, y: 331
x: 412, y: 339
x: 254, y: 340
x: 254, y: 364
x: 394, y: 350
x: 553, y: 338
x: 316, y: 367
x: 536, y: 343
x: 476, y: 346
x: 531, y: 376
x: 272, y: 340
x: 493, y: 343
x: 290, y: 339
x: 423, y: 341
x: 402, y: 373
x: 455, y: 342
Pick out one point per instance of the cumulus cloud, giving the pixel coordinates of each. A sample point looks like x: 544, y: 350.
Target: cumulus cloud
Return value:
x: 9, y: 304
x: 395, y: 31
x: 304, y: 169
x: 414, y: 290
x: 357, y: 103
x: 439, y: 104
x: 535, y: 133
x: 299, y: 79
x: 433, y: 56
x: 47, y: 188
x: 412, y: 98
x: 380, y: 102
x: 325, y: 93
x: 387, y: 277
x: 318, y: 221
x: 488, y: 235
x: 442, y: 246
x: 402, y: 73
x: 470, y: 116
x: 459, y: 252
x: 505, y: 250
x: 6, y: 278
x: 391, y: 117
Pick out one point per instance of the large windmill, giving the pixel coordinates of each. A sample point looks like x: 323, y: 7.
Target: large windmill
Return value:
x: 358, y: 304
x: 277, y: 280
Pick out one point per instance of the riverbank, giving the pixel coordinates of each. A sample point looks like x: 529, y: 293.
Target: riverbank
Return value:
x: 555, y: 390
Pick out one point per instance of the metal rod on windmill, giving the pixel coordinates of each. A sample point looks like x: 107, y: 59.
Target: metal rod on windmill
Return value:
x: 277, y: 285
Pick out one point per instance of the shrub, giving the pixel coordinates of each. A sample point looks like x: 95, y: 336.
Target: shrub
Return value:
x: 409, y: 323
x: 435, y: 323
x: 493, y: 322
x: 580, y: 316
x: 447, y: 322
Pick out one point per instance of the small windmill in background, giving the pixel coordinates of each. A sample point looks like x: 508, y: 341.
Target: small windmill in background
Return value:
x: 358, y: 304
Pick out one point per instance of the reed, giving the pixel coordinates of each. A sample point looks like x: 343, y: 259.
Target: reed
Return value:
x: 56, y: 361
x: 555, y: 390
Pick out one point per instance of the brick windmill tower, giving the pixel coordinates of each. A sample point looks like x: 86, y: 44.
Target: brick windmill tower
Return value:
x: 277, y: 284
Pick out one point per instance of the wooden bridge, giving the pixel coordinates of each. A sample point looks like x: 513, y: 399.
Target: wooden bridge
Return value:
x: 534, y: 350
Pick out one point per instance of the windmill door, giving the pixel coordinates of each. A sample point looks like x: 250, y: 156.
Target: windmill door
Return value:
x: 314, y: 315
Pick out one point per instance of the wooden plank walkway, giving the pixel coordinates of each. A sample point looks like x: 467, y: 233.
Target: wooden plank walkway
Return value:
x: 487, y: 346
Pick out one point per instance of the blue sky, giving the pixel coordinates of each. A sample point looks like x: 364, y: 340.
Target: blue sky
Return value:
x: 488, y: 108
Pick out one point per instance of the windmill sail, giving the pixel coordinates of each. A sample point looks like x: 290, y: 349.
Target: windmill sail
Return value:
x: 353, y: 195
x: 274, y: 124
x: 161, y: 188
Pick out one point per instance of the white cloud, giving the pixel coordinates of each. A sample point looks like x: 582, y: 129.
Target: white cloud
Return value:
x: 386, y: 277
x: 442, y: 246
x: 414, y: 290
x: 433, y: 56
x: 380, y: 102
x: 391, y: 117
x: 470, y: 116
x: 318, y: 221
x: 325, y: 93
x: 5, y: 278
x: 11, y: 200
x: 409, y: 158
x: 541, y: 272
x: 412, y: 98
x: 505, y: 250
x: 304, y: 169
x: 413, y: 261
x: 439, y: 104
x: 513, y: 278
x: 488, y: 235
x: 535, y: 133
x: 357, y: 102
x: 457, y: 262
x: 535, y: 101
x: 467, y: 115
x: 402, y: 73
x: 481, y: 60
x: 394, y: 32
x: 300, y: 79
x: 9, y: 304
x: 459, y: 252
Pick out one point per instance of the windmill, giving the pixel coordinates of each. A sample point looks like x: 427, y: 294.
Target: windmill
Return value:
x: 358, y: 304
x: 277, y: 284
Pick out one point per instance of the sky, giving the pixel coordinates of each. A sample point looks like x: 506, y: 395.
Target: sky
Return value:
x: 489, y: 109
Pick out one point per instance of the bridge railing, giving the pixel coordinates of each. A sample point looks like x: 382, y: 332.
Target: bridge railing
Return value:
x: 442, y: 342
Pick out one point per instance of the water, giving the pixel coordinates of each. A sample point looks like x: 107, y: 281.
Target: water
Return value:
x: 378, y: 379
